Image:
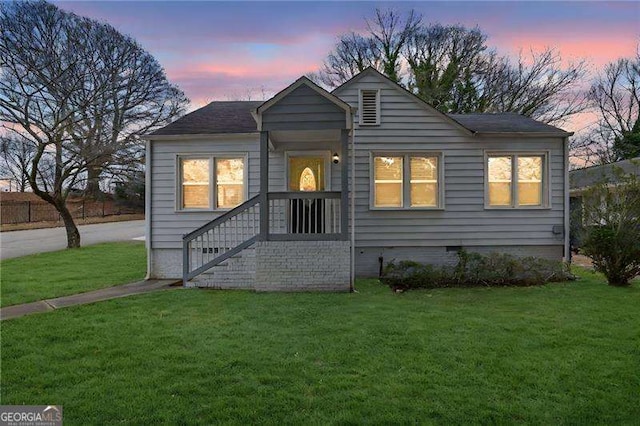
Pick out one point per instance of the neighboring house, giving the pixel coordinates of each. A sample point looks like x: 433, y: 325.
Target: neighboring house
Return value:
x: 580, y: 180
x: 311, y: 188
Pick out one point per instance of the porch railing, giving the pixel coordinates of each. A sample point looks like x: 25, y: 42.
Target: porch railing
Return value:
x: 304, y: 215
x: 221, y: 238
x: 291, y: 216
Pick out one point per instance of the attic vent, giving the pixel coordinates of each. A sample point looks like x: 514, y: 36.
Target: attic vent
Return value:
x: 369, y: 107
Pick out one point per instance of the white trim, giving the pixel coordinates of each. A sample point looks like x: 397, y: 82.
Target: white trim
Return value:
x: 406, y: 178
x: 352, y: 205
x: 567, y: 202
x: 147, y: 207
x: 211, y: 157
x: 199, y: 136
x: 514, y: 154
x: 318, y: 153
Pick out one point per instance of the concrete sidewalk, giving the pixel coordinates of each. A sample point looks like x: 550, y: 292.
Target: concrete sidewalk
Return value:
x: 108, y: 293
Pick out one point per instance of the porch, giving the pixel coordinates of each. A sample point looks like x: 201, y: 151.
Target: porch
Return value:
x: 299, y: 234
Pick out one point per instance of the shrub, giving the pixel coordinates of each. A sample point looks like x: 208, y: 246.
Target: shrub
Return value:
x: 474, y: 269
x: 612, y: 228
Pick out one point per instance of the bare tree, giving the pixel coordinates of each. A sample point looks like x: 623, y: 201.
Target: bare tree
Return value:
x: 136, y: 99
x: 261, y: 93
x: 352, y: 54
x: 445, y: 63
x: 536, y: 86
x: 381, y: 48
x: 391, y: 31
x: 452, y: 68
x: 63, y: 98
x: 615, y: 95
x: 16, y: 156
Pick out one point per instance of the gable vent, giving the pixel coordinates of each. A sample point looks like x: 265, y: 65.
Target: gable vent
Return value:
x: 369, y: 107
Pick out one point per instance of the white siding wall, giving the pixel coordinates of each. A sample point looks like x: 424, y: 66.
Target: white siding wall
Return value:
x: 406, y: 125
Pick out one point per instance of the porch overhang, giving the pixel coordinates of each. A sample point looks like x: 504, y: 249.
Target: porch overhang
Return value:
x: 303, y: 106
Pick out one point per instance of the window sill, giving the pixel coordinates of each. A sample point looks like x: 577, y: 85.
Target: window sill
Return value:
x: 517, y: 208
x: 406, y: 209
x: 201, y: 210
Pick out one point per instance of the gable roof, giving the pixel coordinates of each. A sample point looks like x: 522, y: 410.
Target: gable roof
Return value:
x: 306, y: 82
x: 494, y: 123
x: 426, y: 105
x: 506, y: 122
x: 216, y: 117
x: 584, y: 178
x: 238, y: 116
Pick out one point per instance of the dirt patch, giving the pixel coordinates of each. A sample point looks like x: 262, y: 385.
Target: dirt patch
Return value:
x: 581, y: 260
x: 56, y: 224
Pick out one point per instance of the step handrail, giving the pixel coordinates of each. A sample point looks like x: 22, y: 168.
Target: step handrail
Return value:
x: 231, y: 213
x: 187, y: 239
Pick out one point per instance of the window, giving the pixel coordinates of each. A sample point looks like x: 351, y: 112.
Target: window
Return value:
x: 230, y: 182
x: 516, y: 180
x: 369, y: 107
x: 406, y: 181
x: 388, y: 181
x: 211, y: 181
x: 195, y: 183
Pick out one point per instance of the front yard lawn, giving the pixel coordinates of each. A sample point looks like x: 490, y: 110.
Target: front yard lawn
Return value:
x: 60, y: 273
x: 559, y: 353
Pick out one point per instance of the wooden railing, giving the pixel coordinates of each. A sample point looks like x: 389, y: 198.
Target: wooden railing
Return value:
x: 220, y: 239
x: 291, y: 216
x: 304, y: 215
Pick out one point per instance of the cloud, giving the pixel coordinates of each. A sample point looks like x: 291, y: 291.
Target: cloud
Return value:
x: 215, y: 49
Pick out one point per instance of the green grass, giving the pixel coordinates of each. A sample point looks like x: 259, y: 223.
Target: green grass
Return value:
x: 566, y: 353
x: 60, y: 273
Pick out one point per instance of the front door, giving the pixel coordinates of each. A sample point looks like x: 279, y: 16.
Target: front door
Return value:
x: 307, y: 173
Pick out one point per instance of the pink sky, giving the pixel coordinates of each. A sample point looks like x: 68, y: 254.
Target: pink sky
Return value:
x: 223, y: 50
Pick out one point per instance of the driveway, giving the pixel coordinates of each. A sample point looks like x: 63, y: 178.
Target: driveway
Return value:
x: 21, y: 243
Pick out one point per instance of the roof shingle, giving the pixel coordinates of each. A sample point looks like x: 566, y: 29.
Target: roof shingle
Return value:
x: 235, y: 117
x: 505, y: 122
x: 216, y: 117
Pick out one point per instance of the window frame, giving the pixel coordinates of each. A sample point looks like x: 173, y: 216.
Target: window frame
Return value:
x: 213, y: 183
x: 406, y: 179
x: 546, y: 178
x: 360, y: 109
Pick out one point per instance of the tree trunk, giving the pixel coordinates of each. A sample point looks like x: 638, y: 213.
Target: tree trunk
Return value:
x: 93, y: 183
x: 73, y: 235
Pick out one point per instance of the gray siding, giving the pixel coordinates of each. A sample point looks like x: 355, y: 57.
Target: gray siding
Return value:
x: 303, y: 109
x: 405, y: 125
x: 169, y: 225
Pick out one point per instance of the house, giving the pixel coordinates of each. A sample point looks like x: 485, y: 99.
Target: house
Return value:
x: 312, y: 188
x: 580, y: 180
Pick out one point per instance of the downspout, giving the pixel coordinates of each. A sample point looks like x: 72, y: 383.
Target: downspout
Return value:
x: 147, y: 206
x: 567, y: 224
x: 352, y: 207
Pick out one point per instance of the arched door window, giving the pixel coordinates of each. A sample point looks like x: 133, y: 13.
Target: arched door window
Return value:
x: 308, y: 180
x: 306, y: 173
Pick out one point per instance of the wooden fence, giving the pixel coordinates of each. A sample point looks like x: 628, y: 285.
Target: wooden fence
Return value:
x: 40, y: 211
